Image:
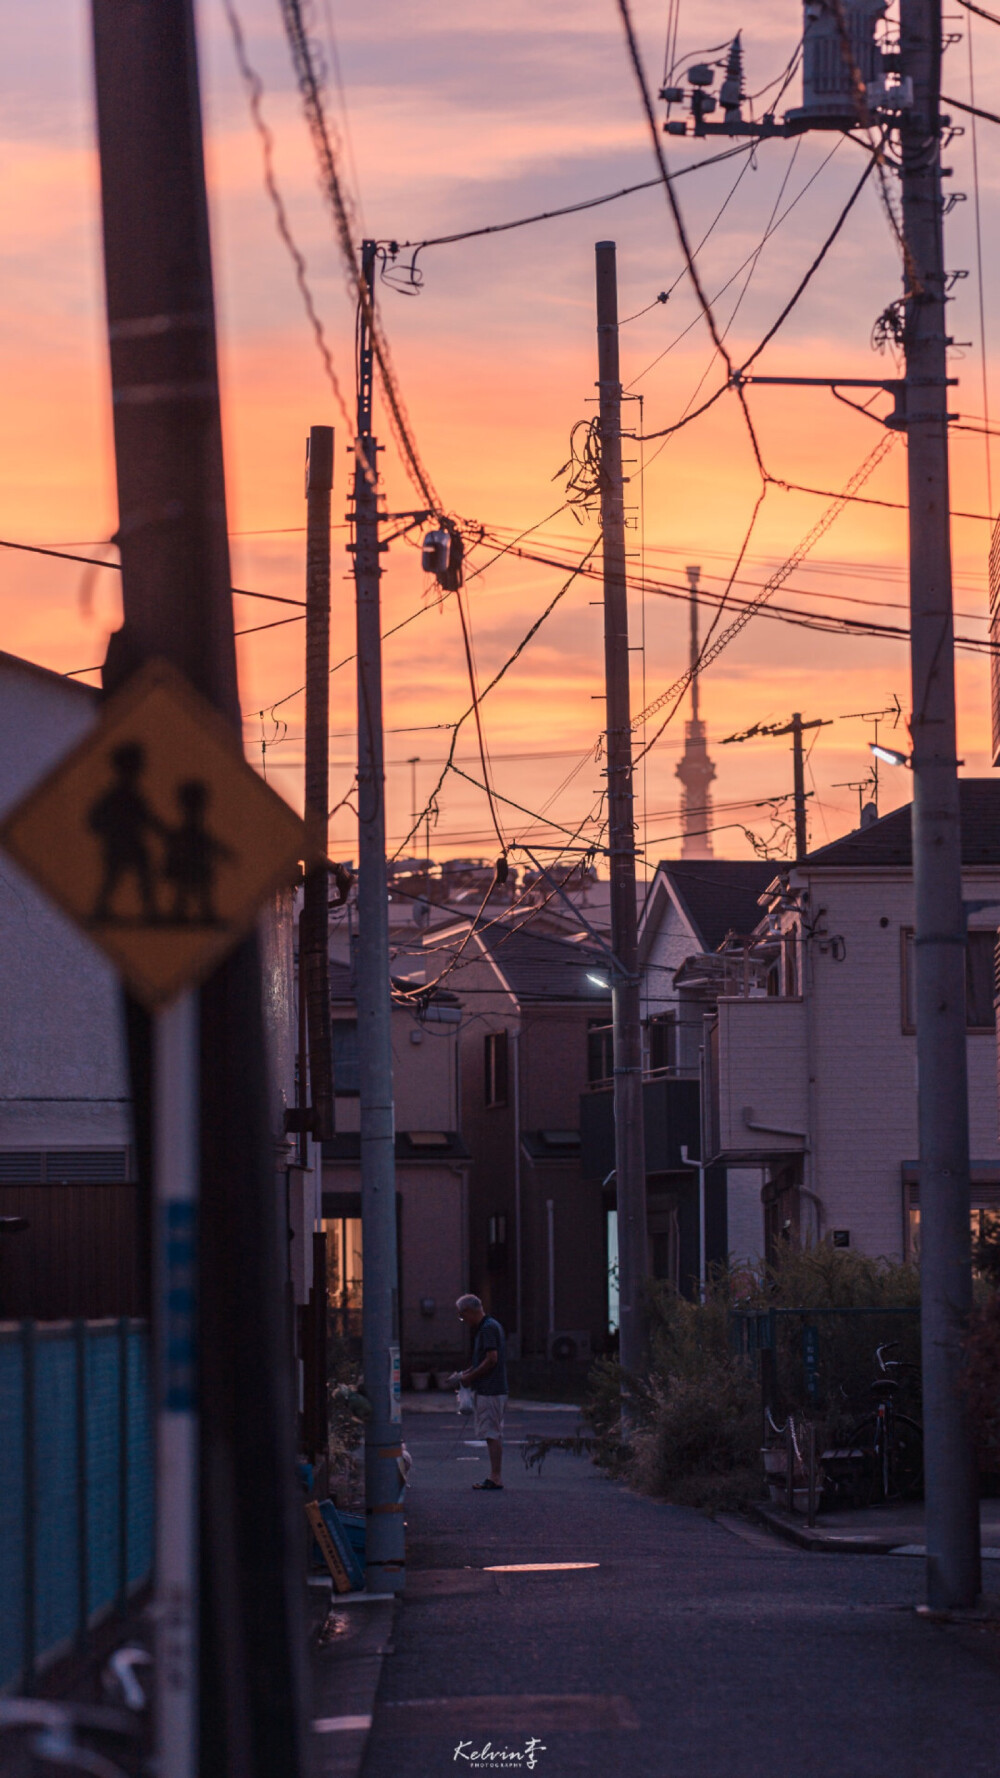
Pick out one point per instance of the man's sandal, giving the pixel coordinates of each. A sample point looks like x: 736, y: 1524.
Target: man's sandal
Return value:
x: 488, y: 1487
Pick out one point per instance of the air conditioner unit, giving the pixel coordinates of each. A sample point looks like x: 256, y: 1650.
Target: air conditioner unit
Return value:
x: 569, y: 1348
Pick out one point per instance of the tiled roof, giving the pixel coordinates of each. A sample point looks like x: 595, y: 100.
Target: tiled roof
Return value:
x: 889, y: 842
x: 538, y: 966
x: 719, y: 895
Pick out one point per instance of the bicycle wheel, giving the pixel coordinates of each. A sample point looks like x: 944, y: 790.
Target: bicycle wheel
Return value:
x: 867, y: 1488
x: 907, y: 1459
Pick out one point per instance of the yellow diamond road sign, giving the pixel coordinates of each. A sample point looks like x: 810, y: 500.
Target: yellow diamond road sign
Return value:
x: 156, y: 836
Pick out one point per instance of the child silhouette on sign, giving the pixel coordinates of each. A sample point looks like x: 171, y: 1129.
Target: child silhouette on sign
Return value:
x: 192, y: 857
x: 124, y: 824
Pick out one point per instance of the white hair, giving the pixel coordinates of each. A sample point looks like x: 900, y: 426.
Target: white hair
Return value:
x: 468, y: 1302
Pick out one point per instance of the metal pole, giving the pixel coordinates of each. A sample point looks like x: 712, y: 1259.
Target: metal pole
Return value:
x: 176, y: 590
x: 175, y: 1176
x: 314, y: 925
x: 630, y: 1155
x: 953, y: 1558
x: 385, y: 1548
x: 799, y: 783
x: 550, y: 1223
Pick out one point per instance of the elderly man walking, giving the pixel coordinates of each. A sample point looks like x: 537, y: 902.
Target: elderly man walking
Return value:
x: 487, y: 1378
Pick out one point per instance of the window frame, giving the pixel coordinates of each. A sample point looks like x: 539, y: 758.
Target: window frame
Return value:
x: 906, y: 1010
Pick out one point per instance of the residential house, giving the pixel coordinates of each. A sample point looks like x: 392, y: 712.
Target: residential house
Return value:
x: 810, y: 1051
x: 535, y: 1010
x: 432, y: 1171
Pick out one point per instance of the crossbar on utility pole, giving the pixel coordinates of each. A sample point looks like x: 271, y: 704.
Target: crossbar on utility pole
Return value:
x: 630, y: 1147
x: 385, y: 1543
x: 952, y: 1534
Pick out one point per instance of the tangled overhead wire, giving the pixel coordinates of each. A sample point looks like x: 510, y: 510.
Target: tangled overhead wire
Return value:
x: 582, y: 469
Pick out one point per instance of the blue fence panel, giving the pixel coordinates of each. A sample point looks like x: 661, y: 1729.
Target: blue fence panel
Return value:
x: 139, y: 1448
x: 104, y: 1503
x: 57, y: 1555
x: 12, y: 1523
x: 41, y: 1530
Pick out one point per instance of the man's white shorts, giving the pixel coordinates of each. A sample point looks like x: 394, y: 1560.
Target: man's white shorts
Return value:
x: 489, y: 1415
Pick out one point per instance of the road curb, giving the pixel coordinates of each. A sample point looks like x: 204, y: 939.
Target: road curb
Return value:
x: 345, y: 1678
x: 827, y: 1542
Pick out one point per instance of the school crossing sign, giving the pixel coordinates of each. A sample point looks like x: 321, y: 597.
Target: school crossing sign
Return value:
x: 156, y: 836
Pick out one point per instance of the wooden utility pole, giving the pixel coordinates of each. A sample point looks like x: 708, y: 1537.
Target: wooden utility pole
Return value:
x: 243, y: 1718
x: 314, y: 938
x: 952, y: 1496
x: 385, y: 1547
x: 630, y: 1146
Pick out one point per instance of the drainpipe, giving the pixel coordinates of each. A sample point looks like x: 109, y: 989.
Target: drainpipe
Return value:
x: 702, y: 1267
x: 550, y: 1212
x: 518, y: 1293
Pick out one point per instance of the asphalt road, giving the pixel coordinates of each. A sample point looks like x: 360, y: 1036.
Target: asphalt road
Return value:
x: 688, y: 1652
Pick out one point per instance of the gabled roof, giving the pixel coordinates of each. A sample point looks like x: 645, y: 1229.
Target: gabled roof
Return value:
x: 718, y: 895
x: 537, y: 966
x: 889, y: 842
x: 15, y: 663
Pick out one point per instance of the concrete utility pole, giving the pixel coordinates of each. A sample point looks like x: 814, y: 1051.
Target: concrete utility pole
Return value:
x: 177, y: 604
x: 385, y: 1551
x: 314, y: 923
x: 630, y: 1145
x: 953, y: 1556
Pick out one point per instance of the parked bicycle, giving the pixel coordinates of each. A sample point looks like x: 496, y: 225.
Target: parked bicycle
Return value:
x: 890, y: 1442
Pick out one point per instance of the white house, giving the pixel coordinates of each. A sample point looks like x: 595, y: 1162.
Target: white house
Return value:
x: 810, y: 1055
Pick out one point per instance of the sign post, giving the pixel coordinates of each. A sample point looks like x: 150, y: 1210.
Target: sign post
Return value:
x: 161, y: 842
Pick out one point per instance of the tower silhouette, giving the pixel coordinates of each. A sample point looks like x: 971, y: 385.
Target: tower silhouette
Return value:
x: 695, y: 769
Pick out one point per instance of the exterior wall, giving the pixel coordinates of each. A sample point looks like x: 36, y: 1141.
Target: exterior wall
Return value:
x: 762, y: 1069
x: 745, y: 1216
x: 433, y: 1224
x: 666, y: 940
x: 547, y: 1071
x: 63, y: 1078
x: 866, y: 1106
x: 860, y: 1105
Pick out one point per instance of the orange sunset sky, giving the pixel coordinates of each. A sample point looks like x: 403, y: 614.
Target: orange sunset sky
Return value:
x: 452, y: 117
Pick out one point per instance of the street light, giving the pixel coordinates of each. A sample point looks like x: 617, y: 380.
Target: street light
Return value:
x: 598, y: 980
x: 891, y: 755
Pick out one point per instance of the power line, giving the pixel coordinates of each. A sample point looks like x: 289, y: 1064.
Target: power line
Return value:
x: 62, y: 555
x: 611, y: 197
x: 681, y: 232
x: 312, y: 100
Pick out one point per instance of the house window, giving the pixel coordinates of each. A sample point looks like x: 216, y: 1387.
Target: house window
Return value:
x: 346, y: 1072
x: 498, y: 1231
x: 980, y: 1014
x: 600, y: 1051
x: 495, y: 1070
x: 662, y: 1032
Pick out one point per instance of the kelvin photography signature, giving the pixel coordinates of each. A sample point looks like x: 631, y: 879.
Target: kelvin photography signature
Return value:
x: 488, y: 1758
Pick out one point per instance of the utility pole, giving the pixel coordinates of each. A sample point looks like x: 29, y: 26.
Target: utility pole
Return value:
x: 314, y: 979
x: 796, y: 728
x: 385, y: 1548
x: 241, y: 1714
x: 630, y: 1145
x: 952, y: 1496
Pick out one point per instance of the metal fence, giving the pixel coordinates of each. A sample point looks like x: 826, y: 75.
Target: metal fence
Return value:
x: 76, y: 1485
x: 821, y: 1361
